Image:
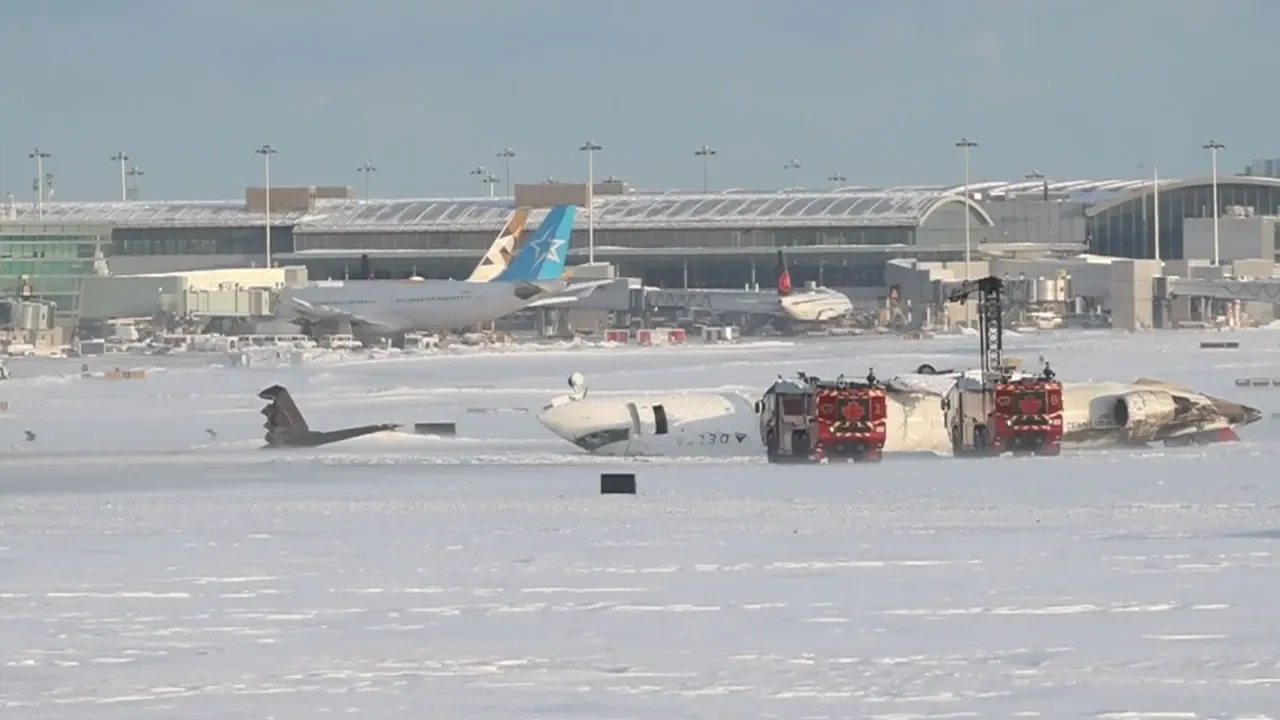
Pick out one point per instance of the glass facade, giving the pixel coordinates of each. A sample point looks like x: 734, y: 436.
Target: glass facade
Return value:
x: 50, y: 261
x: 1125, y: 229
x: 843, y: 270
x: 198, y: 241
x: 703, y: 238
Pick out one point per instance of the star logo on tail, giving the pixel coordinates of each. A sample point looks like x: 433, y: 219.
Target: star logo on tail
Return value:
x: 549, y: 248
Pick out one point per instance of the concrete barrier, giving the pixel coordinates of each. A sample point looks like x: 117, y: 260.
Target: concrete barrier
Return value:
x: 1257, y: 382
x: 617, y: 484
x: 124, y: 375
x: 441, y: 429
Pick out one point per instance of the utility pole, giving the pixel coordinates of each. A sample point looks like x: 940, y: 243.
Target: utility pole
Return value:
x: 965, y: 145
x: 39, y: 156
x: 266, y: 151
x: 122, y: 157
x: 791, y: 166
x: 366, y: 169
x: 134, y: 173
x: 590, y: 148
x: 506, y: 154
x: 706, y: 152
x: 480, y: 173
x: 1213, y: 146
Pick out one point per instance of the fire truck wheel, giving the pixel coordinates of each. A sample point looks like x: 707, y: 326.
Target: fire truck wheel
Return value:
x: 1050, y: 450
x: 980, y: 438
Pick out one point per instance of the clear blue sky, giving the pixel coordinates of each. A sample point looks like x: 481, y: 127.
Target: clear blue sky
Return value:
x: 878, y: 90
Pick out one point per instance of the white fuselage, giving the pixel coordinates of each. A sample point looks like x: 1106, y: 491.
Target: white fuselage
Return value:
x: 709, y: 424
x: 696, y: 424
x: 816, y: 306
x: 407, y: 306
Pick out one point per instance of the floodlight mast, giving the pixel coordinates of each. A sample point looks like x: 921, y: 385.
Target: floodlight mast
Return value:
x: 990, y: 292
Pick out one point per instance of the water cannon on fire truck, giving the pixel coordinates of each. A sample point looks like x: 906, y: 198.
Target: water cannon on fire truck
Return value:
x: 1002, y: 413
x: 815, y: 420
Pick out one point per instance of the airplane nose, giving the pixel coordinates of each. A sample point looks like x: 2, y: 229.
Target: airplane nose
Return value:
x: 558, y: 420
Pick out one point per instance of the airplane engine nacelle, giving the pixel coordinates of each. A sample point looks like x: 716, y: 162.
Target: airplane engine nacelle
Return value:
x: 1143, y: 412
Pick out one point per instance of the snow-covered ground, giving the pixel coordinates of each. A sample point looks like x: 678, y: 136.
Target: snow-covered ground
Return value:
x: 148, y: 570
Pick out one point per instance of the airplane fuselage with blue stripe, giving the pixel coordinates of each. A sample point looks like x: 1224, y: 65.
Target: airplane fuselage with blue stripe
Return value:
x: 533, y: 279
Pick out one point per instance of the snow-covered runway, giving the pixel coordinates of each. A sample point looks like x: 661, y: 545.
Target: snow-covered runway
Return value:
x: 148, y: 571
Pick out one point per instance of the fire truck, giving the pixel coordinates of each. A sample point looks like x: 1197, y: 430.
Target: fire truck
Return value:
x: 815, y: 420
x: 998, y: 412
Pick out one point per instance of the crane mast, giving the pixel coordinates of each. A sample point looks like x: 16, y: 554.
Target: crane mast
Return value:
x: 990, y: 291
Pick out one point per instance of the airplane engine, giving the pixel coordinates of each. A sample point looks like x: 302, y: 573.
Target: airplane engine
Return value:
x: 1142, y: 413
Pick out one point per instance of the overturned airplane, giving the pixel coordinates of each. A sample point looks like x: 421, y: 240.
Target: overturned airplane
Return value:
x: 286, y: 427
x: 1106, y: 414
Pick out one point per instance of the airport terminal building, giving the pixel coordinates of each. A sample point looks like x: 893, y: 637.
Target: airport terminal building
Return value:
x: 842, y: 238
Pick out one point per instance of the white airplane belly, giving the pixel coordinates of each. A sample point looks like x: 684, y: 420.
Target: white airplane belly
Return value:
x: 1090, y: 406
x: 916, y: 423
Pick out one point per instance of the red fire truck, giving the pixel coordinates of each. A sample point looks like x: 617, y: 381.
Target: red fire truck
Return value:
x: 816, y: 420
x: 1027, y: 417
x: 1001, y: 414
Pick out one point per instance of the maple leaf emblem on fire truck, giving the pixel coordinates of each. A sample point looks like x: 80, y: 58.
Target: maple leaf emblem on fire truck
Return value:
x: 852, y: 412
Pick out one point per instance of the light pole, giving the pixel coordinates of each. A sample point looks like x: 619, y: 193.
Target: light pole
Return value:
x: 706, y: 152
x: 366, y: 169
x: 1213, y: 146
x: 122, y: 157
x: 480, y: 173
x: 506, y: 154
x: 965, y: 144
x: 835, y: 179
x: 590, y: 148
x: 789, y: 166
x: 266, y: 151
x: 39, y: 156
x: 135, y: 172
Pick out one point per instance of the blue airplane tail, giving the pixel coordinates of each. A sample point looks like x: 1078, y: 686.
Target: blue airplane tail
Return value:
x: 543, y: 256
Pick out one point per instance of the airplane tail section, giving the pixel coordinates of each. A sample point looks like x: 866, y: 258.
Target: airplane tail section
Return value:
x: 542, y: 258
x: 282, y: 413
x: 498, y: 258
x: 784, y: 275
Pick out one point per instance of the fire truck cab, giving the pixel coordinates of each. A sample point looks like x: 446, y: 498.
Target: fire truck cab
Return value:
x: 1022, y: 415
x: 812, y: 420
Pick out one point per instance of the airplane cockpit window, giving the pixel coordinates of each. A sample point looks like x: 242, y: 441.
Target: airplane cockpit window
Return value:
x: 598, y: 439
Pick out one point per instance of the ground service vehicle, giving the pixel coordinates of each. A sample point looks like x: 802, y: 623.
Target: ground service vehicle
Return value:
x: 812, y: 420
x: 1001, y: 413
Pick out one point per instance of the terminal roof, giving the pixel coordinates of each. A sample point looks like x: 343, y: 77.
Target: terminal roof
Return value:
x: 906, y: 206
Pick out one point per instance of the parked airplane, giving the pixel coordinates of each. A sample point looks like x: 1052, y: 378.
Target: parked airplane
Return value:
x: 287, y: 428
x: 498, y: 257
x: 532, y: 280
x: 715, y: 424
x: 814, y: 306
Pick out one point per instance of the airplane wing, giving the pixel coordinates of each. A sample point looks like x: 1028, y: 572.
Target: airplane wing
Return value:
x: 315, y: 313
x: 553, y: 300
x: 570, y: 294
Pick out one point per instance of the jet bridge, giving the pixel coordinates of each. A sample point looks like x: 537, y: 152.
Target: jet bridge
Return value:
x: 714, y: 301
x: 1264, y: 290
